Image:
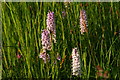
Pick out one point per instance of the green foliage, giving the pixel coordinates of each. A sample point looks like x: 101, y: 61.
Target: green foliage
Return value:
x: 23, y: 22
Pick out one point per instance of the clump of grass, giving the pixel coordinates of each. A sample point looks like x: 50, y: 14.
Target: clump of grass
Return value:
x: 24, y: 22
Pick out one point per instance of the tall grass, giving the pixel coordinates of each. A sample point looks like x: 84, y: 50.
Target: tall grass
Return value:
x: 22, y: 24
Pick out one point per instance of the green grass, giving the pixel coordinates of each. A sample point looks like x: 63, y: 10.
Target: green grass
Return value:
x: 23, y: 22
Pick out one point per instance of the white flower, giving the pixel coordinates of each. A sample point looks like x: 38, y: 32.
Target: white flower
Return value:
x: 75, y: 62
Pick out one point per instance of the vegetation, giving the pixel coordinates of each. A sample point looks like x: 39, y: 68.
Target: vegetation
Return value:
x: 99, y: 48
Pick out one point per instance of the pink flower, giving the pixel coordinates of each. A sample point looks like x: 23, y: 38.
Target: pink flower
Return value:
x: 45, y: 38
x: 44, y: 56
x: 83, y: 21
x: 58, y: 57
x: 51, y: 25
x: 18, y: 56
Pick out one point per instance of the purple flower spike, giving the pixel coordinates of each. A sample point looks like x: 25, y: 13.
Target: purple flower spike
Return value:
x: 83, y: 21
x: 51, y: 25
x: 45, y: 37
x: 44, y: 56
